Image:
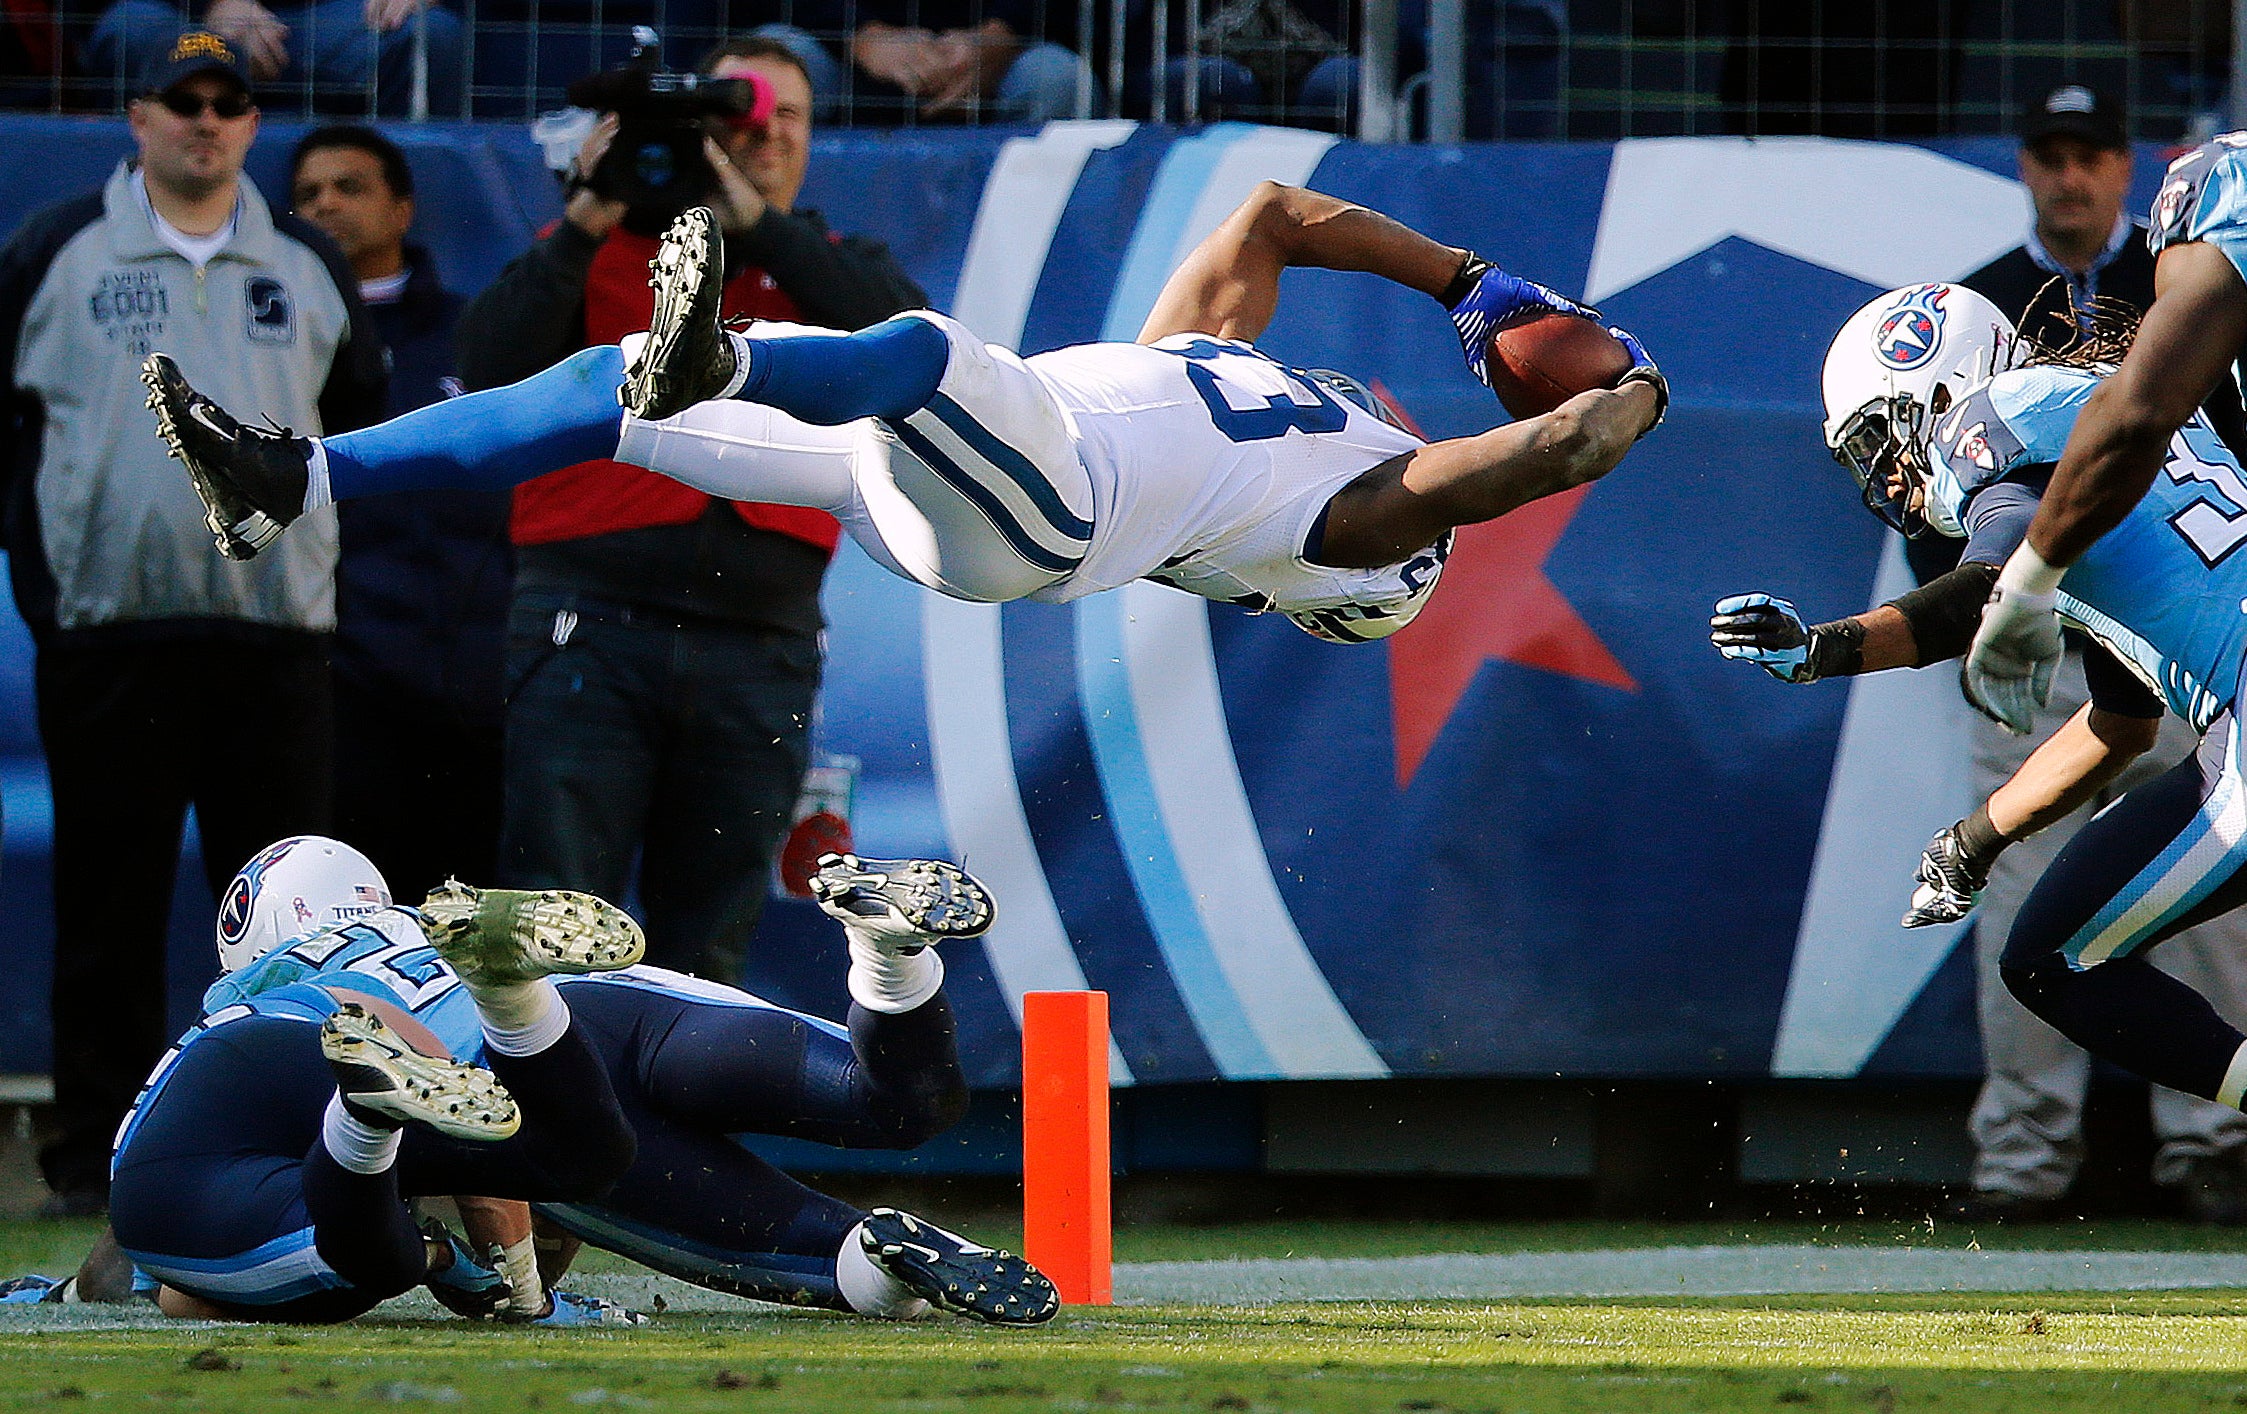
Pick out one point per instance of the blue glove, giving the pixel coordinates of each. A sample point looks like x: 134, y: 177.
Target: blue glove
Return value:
x: 29, y: 1289
x: 1495, y: 298
x: 1756, y: 628
x: 1643, y: 370
x: 466, y: 1286
x: 569, y: 1308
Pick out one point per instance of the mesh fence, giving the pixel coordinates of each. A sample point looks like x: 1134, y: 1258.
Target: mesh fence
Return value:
x: 1589, y: 69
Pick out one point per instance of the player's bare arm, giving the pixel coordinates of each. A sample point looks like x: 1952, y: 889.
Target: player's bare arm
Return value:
x: 1406, y: 503
x: 2088, y: 751
x: 2184, y: 344
x: 1929, y: 625
x: 1230, y: 283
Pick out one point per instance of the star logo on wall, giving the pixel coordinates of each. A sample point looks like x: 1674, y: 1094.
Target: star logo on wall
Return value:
x: 1493, y: 601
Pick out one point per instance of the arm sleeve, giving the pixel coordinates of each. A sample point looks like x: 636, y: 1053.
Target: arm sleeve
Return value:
x: 846, y: 283
x: 529, y: 318
x: 2114, y: 688
x: 1945, y: 611
x: 1997, y: 519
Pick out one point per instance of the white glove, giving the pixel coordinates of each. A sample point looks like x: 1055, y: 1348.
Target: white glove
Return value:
x: 2009, y: 670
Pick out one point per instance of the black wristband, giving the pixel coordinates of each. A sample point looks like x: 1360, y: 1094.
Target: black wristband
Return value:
x: 1463, y: 284
x: 1978, y: 839
x: 1837, y: 649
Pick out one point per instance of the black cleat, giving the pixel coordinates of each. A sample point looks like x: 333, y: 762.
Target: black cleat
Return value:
x: 949, y: 1271
x: 687, y: 358
x: 251, y: 479
x: 902, y: 905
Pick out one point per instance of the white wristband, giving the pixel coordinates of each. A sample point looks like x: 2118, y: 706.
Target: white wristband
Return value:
x: 2026, y: 575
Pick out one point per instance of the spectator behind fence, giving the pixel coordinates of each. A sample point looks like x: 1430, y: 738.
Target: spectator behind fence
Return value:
x: 422, y: 589
x: 1262, y: 59
x: 345, y: 52
x: 165, y: 676
x: 2027, y: 1123
x: 663, y: 651
x: 932, y: 60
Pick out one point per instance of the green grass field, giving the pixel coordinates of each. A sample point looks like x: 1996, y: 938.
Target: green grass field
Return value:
x: 2153, y: 1351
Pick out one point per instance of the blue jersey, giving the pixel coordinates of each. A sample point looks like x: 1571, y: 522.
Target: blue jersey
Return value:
x: 2166, y: 590
x: 2204, y: 198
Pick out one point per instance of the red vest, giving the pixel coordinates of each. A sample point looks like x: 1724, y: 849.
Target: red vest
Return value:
x: 594, y: 498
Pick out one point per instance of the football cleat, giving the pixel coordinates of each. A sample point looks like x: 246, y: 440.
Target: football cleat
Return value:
x: 949, y: 1271
x: 686, y: 357
x: 570, y: 1308
x: 1949, y: 884
x: 902, y: 905
x: 32, y: 1289
x: 380, y: 1075
x: 515, y: 935
x: 466, y: 1285
x: 251, y: 479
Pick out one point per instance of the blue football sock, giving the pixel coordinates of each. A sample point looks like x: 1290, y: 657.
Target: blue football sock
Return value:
x: 492, y: 440
x: 890, y: 370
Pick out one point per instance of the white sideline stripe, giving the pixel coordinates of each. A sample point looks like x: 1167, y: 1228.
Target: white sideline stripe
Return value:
x: 962, y: 658
x: 1276, y: 985
x: 1177, y: 711
x: 1742, y: 1270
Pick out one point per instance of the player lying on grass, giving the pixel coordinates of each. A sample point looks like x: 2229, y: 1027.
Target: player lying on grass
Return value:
x: 691, y: 1063
x: 1188, y: 457
x: 263, y: 1172
x: 1939, y: 443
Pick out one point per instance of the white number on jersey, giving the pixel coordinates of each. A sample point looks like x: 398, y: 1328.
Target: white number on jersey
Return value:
x: 2215, y: 524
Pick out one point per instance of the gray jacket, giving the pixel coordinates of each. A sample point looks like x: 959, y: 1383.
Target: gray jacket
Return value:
x: 102, y: 527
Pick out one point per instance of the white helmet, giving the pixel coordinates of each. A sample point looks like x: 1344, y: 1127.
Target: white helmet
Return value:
x: 296, y: 886
x: 1898, y: 364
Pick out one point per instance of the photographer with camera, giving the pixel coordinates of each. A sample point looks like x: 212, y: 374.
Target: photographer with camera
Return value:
x: 663, y: 647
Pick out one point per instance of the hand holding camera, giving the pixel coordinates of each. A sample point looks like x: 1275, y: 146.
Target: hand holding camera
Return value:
x: 657, y: 160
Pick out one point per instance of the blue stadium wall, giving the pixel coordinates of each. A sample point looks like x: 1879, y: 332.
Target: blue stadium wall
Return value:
x: 1546, y: 830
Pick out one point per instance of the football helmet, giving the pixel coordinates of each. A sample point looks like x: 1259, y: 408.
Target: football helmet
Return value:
x: 1898, y: 364
x: 1354, y: 391
x: 293, y: 887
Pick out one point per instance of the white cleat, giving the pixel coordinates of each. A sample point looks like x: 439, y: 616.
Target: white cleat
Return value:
x: 516, y: 935
x: 902, y: 905
x: 377, y: 1072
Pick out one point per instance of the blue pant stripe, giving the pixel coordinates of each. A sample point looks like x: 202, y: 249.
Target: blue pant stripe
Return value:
x: 2208, y: 851
x: 1018, y: 467
x: 981, y: 498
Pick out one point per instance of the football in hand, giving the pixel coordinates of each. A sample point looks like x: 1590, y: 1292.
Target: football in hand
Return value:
x: 1541, y: 358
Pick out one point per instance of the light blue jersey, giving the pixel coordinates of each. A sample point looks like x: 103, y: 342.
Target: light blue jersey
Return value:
x: 2165, y: 591
x: 2204, y: 198
x: 384, y: 955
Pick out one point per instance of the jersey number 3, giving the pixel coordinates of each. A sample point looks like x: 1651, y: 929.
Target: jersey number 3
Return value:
x: 1277, y: 416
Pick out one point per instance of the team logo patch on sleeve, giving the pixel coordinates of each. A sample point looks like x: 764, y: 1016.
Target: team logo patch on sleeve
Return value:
x: 270, y: 316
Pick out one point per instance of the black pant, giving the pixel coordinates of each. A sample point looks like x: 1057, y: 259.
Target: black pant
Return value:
x: 134, y: 734
x: 417, y: 788
x: 681, y: 746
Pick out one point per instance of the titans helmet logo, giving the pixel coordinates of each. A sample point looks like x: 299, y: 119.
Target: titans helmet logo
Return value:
x: 1908, y: 335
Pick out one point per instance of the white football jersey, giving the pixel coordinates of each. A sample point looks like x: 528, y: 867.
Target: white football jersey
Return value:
x: 1210, y: 465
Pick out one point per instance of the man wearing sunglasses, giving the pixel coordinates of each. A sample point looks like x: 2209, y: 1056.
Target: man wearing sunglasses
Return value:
x: 152, y: 663
x: 664, y: 644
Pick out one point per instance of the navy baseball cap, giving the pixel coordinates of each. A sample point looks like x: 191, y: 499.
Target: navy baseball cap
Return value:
x: 196, y: 51
x: 2073, y: 110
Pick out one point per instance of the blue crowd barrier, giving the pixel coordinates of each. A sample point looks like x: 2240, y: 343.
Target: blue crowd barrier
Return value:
x: 1546, y: 830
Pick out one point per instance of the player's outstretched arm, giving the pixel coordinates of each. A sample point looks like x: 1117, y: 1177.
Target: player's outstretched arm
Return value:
x: 1230, y: 284
x: 1406, y: 504
x: 2186, y: 342
x: 2059, y: 777
x: 1928, y: 625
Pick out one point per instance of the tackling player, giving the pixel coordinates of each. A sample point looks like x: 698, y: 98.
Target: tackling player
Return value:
x: 693, y: 1063
x: 2126, y: 434
x: 1938, y: 442
x: 262, y: 1173
x: 1188, y: 457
